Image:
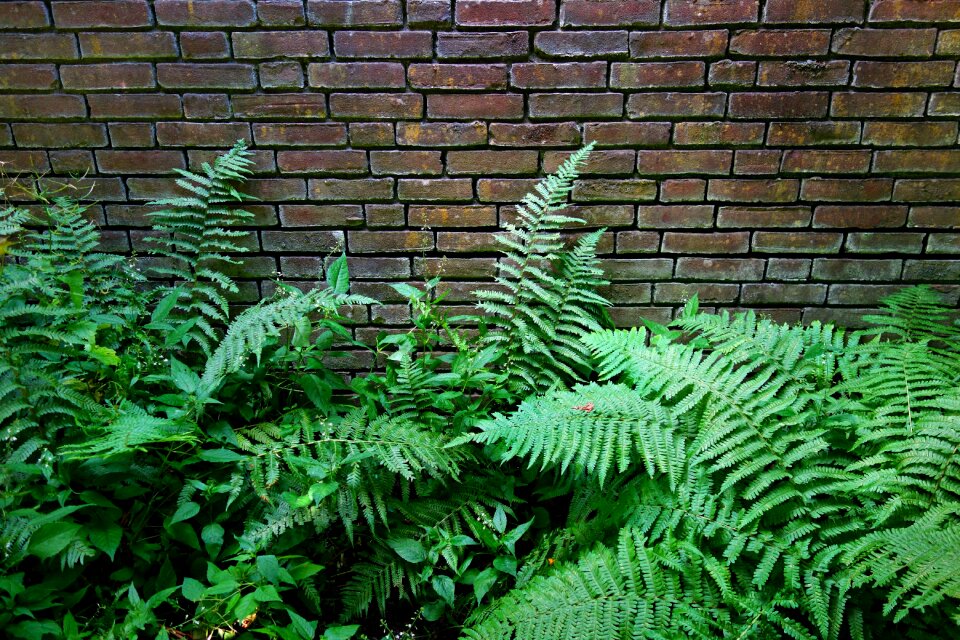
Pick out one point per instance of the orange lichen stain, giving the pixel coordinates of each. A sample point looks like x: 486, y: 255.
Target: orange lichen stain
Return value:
x: 97, y: 45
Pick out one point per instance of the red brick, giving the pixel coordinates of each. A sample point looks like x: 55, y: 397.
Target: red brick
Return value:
x: 442, y: 190
x: 935, y: 217
x: 98, y: 77
x: 450, y: 217
x: 839, y: 269
x: 339, y: 162
x: 467, y: 242
x: 360, y: 75
x: 633, y: 134
x: 331, y: 215
x: 838, y: 190
x: 127, y: 106
x: 487, y: 106
x: 804, y: 73
x: 599, y: 162
x: 802, y: 134
x: 581, y: 44
x: 151, y: 161
x: 670, y: 162
x: 676, y: 292
x: 209, y: 13
x: 683, y: 190
x: 813, y: 11
x: 512, y: 45
x: 678, y: 44
x: 173, y: 75
x: 796, y: 242
x: 903, y: 43
x: 131, y: 134
x: 492, y: 162
x: 770, y: 293
x: 675, y: 216
x: 609, y: 13
x: 376, y: 106
x: 575, y: 105
x: 389, y: 241
x: 927, y: 190
x: 763, y: 217
x: 383, y: 44
x: 887, y: 243
x: 918, y: 161
x: 302, y: 241
x: 505, y: 13
x: 915, y: 11
x: 44, y: 47
x: 336, y: 190
x: 372, y: 134
x: 757, y: 190
x: 129, y: 45
x: 504, y: 189
x: 718, y: 133
x: 206, y: 106
x: 280, y: 44
x: 877, y: 105
x: 280, y: 13
x: 732, y: 73
x: 571, y: 75
x: 299, y: 135
x: 281, y: 75
x: 204, y: 45
x: 788, y: 268
x: 756, y: 162
x: 631, y: 190
x: 23, y: 15
x: 429, y: 13
x: 406, y: 163
x: 24, y: 161
x: 632, y: 75
x: 458, y: 76
x: 715, y: 242
x: 441, y: 134
x: 781, y: 42
x: 35, y: 107
x: 676, y: 105
x: 910, y: 134
x: 279, y: 106
x: 881, y: 75
x: 820, y: 161
x: 944, y: 104
x: 450, y: 268
x: 635, y: 242
x: 379, y: 216
x: 197, y: 134
x: 19, y: 77
x: 697, y: 12
x: 786, y: 104
x: 262, y: 159
x: 561, y: 134
x: 92, y: 189
x: 60, y: 136
x: 354, y: 13
x: 116, y: 14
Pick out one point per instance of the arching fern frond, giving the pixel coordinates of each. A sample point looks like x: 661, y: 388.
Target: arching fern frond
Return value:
x: 915, y: 314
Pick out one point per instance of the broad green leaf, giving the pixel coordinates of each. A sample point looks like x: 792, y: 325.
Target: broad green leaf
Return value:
x: 483, y: 583
x: 444, y: 587
x: 186, y: 511
x: 105, y: 536
x: 192, y: 589
x: 408, y: 549
x: 341, y: 633
x: 338, y: 276
x: 165, y: 306
x: 269, y: 568
x: 52, y: 538
x: 499, y: 520
x: 506, y: 564
x: 220, y: 455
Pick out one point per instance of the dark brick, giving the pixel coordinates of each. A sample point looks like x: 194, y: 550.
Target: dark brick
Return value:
x: 376, y: 106
x: 877, y: 105
x: 443, y: 190
x: 910, y: 134
x: 441, y: 134
x: 756, y: 162
x: 336, y: 190
x: 671, y: 162
x: 24, y: 161
x: 451, y: 268
x: 197, y: 134
x: 204, y: 45
x: 860, y: 294
x: 948, y: 44
x: 813, y: 11
x: 452, y: 216
x: 781, y: 42
x: 359, y: 75
x: 944, y: 104
x: 263, y: 160
x: 429, y: 13
x: 609, y: 13
x: 805, y: 134
x: 299, y: 135
x: 485, y: 106
x: 511, y: 45
x: 885, y: 243
x: 677, y: 44
x: 458, y: 76
x: 633, y: 134
x: 354, y: 13
x: 918, y: 161
x: 281, y: 75
x: 788, y: 268
x: 91, y: 189
x: 901, y: 74
x: 581, y: 44
x: 683, y: 190
x: 492, y: 162
x: 675, y: 292
x: 47, y: 107
x: 636, y: 242
x: 904, y: 43
x: 697, y: 12
x: 301, y: 241
x: 20, y: 77
x: 775, y: 293
x: 59, y: 136
x: 426, y: 163
x: 504, y: 189
x: 632, y: 190
x: 804, y: 73
x: 820, y: 161
x: 718, y: 133
x: 935, y: 217
x: 715, y: 242
x: 632, y: 75
x: 505, y: 13
x: 413, y: 45
x: 173, y: 75
x: 675, y: 216
x: 786, y: 104
x: 129, y: 45
x: 280, y: 106
x: 796, y: 242
x: 389, y: 241
x: 932, y: 270
x: 125, y: 106
x: 38, y: 46
x: 599, y: 162
x: 23, y: 15
x: 927, y: 190
x: 863, y: 270
x: 761, y: 217
x: 839, y: 190
x: 209, y: 13
x: 561, y: 134
x: 915, y: 11
x: 575, y: 105
x: 150, y: 161
x: 206, y: 106
x: 333, y: 163
x: 99, y: 77
x: 638, y: 268
x: 571, y: 75
x: 732, y: 73
x: 131, y: 134
x: 381, y: 216
x: 280, y: 13
x: 86, y: 14
x: 280, y: 44
x: 756, y: 190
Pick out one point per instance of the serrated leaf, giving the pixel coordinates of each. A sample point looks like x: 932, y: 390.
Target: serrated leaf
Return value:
x: 192, y: 589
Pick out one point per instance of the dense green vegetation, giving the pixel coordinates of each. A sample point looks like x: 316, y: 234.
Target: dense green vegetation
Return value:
x: 171, y: 471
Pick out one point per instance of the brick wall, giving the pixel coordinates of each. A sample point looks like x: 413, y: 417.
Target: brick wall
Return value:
x: 798, y: 156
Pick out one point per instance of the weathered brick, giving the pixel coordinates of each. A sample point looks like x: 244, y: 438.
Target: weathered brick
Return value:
x: 839, y: 190
x: 885, y: 242
x: 903, y: 43
x: 512, y: 45
x: 903, y: 74
x: 631, y: 190
x: 927, y: 190
x: 862, y: 270
x: 86, y: 14
x: 820, y: 161
x: 452, y: 216
x: 932, y: 270
x: 910, y: 134
x: 280, y: 106
x: 204, y: 45
x: 280, y: 44
x: 131, y: 134
x: 377, y: 106
x: 677, y: 44
x: 813, y: 11
x: 599, y: 162
x: 918, y: 161
x: 452, y: 268
x: 575, y: 105
x: 788, y: 268
x: 486, y: 106
x: 697, y: 216
x: 45, y: 47
x: 299, y: 135
x: 672, y: 162
x: 860, y: 294
x: 129, y: 45
x: 99, y: 77
x: 915, y: 11
x: 262, y: 159
x: 934, y: 217
x: 877, y: 105
x: 781, y: 42
x: 206, y: 106
x: 761, y: 217
x: 333, y: 163
x: 786, y: 104
x: 756, y: 190
x: 301, y: 241
x: 939, y: 243
x: 756, y: 162
x: 637, y: 268
x: 560, y: 134
x: 776, y: 293
x: 697, y: 12
x: 805, y: 134
x: 354, y: 13
x: 441, y: 134
x: 570, y: 75
x: 732, y: 73
x: 796, y: 242
x: 429, y: 13
x: 458, y: 76
x: 944, y: 104
x: 629, y: 242
x: 609, y: 13
x: 23, y: 15
x: 718, y: 133
x: 442, y: 190
x: 281, y: 75
x: 406, y: 162
x: 24, y: 161
x: 175, y: 75
x: 47, y: 107
x: 209, y: 13
x: 127, y: 106
x: 804, y: 73
x: 110, y: 161
x: 504, y: 189
x: 948, y: 43
x: 59, y: 136
x: 627, y: 293
x: 581, y: 44
x: 683, y: 190
x: 505, y: 13
x: 201, y: 134
x: 360, y: 75
x: 330, y: 215
x: 643, y: 75
x: 20, y: 77
x: 676, y: 105
x: 389, y: 241
x: 280, y: 13
x: 337, y: 190
x: 384, y: 216
x: 492, y: 162
x: 677, y: 292
x: 715, y: 242
x: 634, y: 134
x: 412, y: 45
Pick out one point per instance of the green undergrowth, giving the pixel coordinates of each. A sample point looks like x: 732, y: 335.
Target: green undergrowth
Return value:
x: 171, y: 470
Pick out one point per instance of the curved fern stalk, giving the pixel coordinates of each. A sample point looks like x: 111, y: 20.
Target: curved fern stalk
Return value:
x: 132, y: 430
x: 916, y: 314
x: 193, y: 240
